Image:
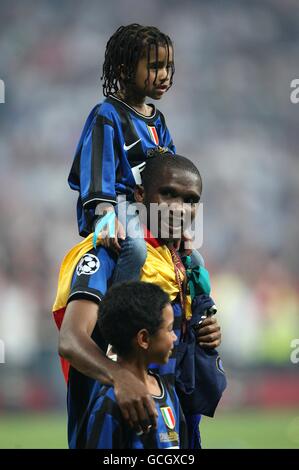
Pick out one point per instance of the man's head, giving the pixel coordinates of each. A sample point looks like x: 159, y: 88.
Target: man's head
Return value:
x: 137, y: 318
x: 173, y: 183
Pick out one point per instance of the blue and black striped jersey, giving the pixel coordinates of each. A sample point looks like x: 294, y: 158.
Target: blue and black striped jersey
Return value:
x: 91, y: 279
x: 107, y: 428
x: 115, y: 138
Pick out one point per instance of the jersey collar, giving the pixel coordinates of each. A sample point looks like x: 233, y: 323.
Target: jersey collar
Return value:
x: 134, y: 110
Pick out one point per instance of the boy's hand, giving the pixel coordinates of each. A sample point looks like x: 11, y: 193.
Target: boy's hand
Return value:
x: 136, y: 403
x: 209, y: 333
x: 119, y: 233
x: 112, y: 243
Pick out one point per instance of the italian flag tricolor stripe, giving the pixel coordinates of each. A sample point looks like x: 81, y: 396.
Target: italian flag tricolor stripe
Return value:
x: 168, y: 417
x: 153, y: 134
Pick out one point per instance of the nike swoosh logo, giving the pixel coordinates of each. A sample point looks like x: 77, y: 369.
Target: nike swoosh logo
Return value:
x: 128, y: 147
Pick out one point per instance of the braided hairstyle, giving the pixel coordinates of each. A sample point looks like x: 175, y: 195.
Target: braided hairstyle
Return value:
x: 124, y: 50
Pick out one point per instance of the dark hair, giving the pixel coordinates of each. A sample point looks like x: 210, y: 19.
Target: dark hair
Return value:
x: 124, y: 50
x: 158, y: 160
x: 128, y: 308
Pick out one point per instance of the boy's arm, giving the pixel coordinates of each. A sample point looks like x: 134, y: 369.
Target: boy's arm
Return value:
x: 77, y: 347
x: 97, y: 165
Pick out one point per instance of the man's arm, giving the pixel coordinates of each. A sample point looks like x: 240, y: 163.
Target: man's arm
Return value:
x: 77, y: 347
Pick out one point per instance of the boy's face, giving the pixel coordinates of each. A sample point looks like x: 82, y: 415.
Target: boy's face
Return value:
x: 161, y: 343
x: 177, y: 192
x: 157, y: 71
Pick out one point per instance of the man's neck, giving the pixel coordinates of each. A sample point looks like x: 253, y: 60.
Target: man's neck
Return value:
x: 160, y: 241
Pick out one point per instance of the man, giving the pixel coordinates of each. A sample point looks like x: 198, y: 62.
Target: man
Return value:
x: 172, y: 180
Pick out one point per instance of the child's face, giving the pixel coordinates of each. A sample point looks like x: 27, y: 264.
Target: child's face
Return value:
x: 161, y: 343
x: 159, y: 73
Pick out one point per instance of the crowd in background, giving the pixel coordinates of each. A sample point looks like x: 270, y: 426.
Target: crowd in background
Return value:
x: 229, y: 110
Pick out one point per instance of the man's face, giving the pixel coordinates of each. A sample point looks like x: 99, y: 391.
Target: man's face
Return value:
x: 177, y: 194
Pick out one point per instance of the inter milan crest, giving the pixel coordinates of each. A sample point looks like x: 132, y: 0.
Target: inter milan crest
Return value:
x: 89, y: 264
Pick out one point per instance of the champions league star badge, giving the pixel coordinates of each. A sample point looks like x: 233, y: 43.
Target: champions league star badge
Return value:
x: 88, y: 265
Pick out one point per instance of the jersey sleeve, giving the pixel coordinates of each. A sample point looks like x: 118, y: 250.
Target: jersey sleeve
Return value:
x: 97, y: 164
x: 166, y: 137
x: 105, y: 428
x: 92, y: 276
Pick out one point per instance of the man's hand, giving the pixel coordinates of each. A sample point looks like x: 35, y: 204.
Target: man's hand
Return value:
x: 209, y: 334
x: 136, y: 404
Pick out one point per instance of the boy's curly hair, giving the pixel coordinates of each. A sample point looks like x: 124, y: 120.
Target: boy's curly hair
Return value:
x: 128, y: 308
x: 125, y: 48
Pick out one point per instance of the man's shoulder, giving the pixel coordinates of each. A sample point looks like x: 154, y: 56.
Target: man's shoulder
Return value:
x: 93, y: 259
x: 92, y: 275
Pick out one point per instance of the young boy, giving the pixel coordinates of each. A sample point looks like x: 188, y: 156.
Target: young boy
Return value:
x: 117, y: 136
x: 136, y: 318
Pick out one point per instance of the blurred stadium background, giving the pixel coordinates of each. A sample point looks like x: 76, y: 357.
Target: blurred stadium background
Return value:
x: 230, y: 111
